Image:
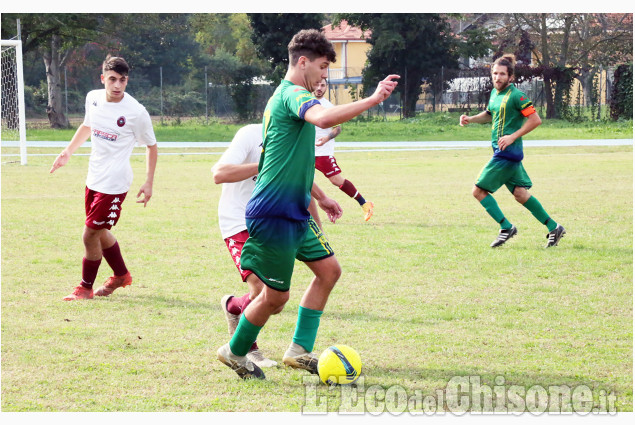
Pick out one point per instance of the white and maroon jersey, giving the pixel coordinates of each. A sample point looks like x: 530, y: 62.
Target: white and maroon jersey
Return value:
x: 327, y: 149
x: 245, y: 148
x: 115, y: 128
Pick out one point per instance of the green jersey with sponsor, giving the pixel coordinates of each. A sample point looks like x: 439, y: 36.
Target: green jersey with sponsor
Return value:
x: 287, y: 162
x: 508, y: 108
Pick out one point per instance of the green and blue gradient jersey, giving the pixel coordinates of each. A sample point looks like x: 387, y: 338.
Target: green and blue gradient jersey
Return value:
x: 287, y: 163
x: 508, y: 109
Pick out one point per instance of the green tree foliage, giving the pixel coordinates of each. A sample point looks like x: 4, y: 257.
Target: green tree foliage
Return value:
x: 227, y: 70
x: 272, y: 33
x: 53, y: 37
x: 229, y: 32
x: 231, y: 58
x: 416, y: 46
x: 154, y: 40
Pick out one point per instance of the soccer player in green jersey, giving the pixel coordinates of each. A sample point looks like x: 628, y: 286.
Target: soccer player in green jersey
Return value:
x: 512, y: 115
x: 281, y: 229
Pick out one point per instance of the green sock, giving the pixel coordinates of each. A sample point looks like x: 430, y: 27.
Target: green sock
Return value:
x: 306, y: 328
x: 536, y: 209
x: 492, y: 208
x: 245, y: 335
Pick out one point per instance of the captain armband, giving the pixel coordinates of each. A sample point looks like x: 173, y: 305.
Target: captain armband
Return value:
x: 528, y: 111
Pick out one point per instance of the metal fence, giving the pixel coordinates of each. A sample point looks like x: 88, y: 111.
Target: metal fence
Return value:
x: 468, y: 90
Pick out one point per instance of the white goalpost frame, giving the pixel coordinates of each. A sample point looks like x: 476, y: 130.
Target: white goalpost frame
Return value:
x: 17, y: 44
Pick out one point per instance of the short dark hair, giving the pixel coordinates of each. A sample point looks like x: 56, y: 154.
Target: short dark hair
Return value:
x: 507, y: 60
x: 312, y: 44
x: 115, y: 63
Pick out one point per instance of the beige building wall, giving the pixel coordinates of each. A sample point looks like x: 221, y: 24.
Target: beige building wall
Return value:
x: 350, y: 61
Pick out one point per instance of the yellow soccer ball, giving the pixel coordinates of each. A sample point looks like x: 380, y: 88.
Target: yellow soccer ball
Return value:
x: 339, y: 365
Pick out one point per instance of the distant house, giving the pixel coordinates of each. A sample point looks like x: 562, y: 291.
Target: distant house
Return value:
x: 351, y: 49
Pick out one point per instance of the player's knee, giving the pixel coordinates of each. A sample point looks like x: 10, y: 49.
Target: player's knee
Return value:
x: 331, y: 275
x: 478, y: 193
x: 275, y: 300
x: 521, y: 195
x: 337, y: 180
x: 90, y: 235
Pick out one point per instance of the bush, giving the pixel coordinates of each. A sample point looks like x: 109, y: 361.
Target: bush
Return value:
x: 622, y: 94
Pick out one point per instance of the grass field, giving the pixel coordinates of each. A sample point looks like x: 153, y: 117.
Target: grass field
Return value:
x: 422, y: 298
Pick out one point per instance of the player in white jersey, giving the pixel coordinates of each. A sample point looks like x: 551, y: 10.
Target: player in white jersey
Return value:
x: 115, y: 121
x: 325, y: 156
x: 237, y: 170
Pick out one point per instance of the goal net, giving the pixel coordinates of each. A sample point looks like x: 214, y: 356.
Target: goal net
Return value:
x: 12, y: 97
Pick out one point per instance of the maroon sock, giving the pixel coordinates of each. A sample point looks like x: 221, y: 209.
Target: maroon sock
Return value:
x: 236, y: 305
x: 349, y: 188
x: 115, y: 260
x: 89, y: 272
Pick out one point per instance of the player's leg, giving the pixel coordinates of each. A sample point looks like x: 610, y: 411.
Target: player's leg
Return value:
x: 300, y: 353
x: 90, y: 265
x: 492, y: 177
x: 92, y: 248
x: 519, y: 186
x: 269, y: 253
x: 328, y: 166
x: 112, y: 207
x: 318, y: 255
x: 233, y: 306
x: 112, y: 254
x: 253, y: 319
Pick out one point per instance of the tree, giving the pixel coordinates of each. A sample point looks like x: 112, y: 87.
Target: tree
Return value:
x: 154, y: 40
x: 569, y: 46
x: 231, y: 58
x: 272, y: 33
x: 416, y: 46
x: 600, y: 40
x: 54, y: 36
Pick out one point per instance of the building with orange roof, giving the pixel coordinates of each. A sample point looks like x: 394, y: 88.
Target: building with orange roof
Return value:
x: 351, y: 49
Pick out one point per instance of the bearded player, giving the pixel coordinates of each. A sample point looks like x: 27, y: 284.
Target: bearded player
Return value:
x: 512, y: 115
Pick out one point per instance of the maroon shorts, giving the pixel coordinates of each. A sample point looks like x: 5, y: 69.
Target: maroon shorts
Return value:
x: 102, y: 210
x: 327, y: 165
x: 235, y: 246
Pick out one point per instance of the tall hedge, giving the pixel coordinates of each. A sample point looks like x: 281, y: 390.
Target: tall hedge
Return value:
x: 622, y: 94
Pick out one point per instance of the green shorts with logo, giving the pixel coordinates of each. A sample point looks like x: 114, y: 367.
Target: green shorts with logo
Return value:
x: 275, y: 243
x: 498, y: 172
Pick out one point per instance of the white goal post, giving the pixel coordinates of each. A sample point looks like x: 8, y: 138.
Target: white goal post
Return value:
x: 12, y: 96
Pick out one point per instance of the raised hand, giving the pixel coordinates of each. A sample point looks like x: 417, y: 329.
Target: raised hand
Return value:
x: 385, y: 88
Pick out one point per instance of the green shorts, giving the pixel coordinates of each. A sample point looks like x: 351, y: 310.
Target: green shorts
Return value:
x: 498, y: 172
x: 275, y: 243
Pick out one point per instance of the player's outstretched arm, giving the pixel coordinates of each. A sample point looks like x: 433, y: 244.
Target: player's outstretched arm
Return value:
x: 80, y: 136
x: 481, y: 118
x: 232, y: 173
x: 330, y: 206
x: 152, y: 154
x: 329, y: 117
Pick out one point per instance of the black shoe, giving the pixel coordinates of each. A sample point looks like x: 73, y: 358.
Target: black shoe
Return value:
x: 554, y: 236
x: 504, y: 235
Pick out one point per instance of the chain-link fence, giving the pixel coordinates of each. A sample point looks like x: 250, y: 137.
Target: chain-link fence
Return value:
x: 467, y: 90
